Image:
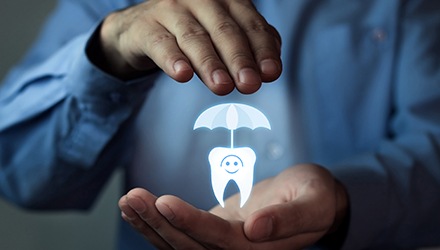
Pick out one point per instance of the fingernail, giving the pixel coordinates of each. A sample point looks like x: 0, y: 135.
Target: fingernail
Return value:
x: 181, y: 65
x: 137, y: 204
x: 262, y: 228
x: 221, y: 77
x: 165, y: 210
x: 126, y: 216
x: 268, y: 67
x: 249, y: 76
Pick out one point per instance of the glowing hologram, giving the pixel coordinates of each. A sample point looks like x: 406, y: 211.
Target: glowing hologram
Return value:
x: 232, y: 116
x: 235, y: 164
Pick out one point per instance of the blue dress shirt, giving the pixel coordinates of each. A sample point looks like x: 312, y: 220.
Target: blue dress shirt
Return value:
x: 359, y: 94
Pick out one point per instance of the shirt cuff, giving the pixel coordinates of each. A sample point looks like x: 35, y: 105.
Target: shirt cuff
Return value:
x: 89, y: 83
x: 103, y: 102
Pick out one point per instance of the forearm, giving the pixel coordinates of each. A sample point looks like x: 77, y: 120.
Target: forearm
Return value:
x: 61, y: 117
x: 58, y: 130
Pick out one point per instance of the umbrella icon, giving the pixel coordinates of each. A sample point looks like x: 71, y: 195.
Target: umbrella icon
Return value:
x: 232, y: 116
x: 235, y: 164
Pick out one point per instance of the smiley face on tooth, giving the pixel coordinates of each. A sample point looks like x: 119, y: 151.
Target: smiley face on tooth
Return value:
x: 231, y: 164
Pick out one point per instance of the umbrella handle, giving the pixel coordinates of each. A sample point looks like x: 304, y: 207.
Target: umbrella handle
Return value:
x: 232, y: 138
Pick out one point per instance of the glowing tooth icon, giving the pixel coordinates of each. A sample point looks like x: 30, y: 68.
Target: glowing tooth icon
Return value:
x: 235, y: 164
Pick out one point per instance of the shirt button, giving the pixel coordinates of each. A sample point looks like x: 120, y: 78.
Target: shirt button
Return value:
x: 379, y: 35
x: 274, y: 151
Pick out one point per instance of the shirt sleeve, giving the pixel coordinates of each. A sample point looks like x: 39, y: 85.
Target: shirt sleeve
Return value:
x: 394, y: 191
x: 60, y: 116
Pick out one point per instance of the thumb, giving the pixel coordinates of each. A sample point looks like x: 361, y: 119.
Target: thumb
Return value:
x: 289, y: 219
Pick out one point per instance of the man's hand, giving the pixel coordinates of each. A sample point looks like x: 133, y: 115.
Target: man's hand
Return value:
x: 290, y: 211
x: 226, y: 42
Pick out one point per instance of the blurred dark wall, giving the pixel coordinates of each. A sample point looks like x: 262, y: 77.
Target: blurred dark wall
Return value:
x: 20, y: 22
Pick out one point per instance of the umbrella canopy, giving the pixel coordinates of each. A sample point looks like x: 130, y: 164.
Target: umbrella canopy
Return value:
x: 232, y: 116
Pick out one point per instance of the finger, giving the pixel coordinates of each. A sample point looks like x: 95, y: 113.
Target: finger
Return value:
x: 231, y: 44
x: 210, y: 230
x: 309, y: 213
x: 264, y: 40
x: 161, y: 47
x: 130, y: 216
x: 143, y: 203
x: 194, y: 41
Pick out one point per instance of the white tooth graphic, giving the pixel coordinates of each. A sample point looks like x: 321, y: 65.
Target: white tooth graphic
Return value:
x: 235, y: 164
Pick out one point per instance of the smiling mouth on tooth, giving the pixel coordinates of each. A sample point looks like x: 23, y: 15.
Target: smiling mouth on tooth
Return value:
x: 232, y: 172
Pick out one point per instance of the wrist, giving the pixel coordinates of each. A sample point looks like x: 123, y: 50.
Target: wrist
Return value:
x: 104, y: 54
x: 335, y: 237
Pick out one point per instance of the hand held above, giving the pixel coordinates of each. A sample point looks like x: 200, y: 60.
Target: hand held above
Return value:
x: 228, y: 44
